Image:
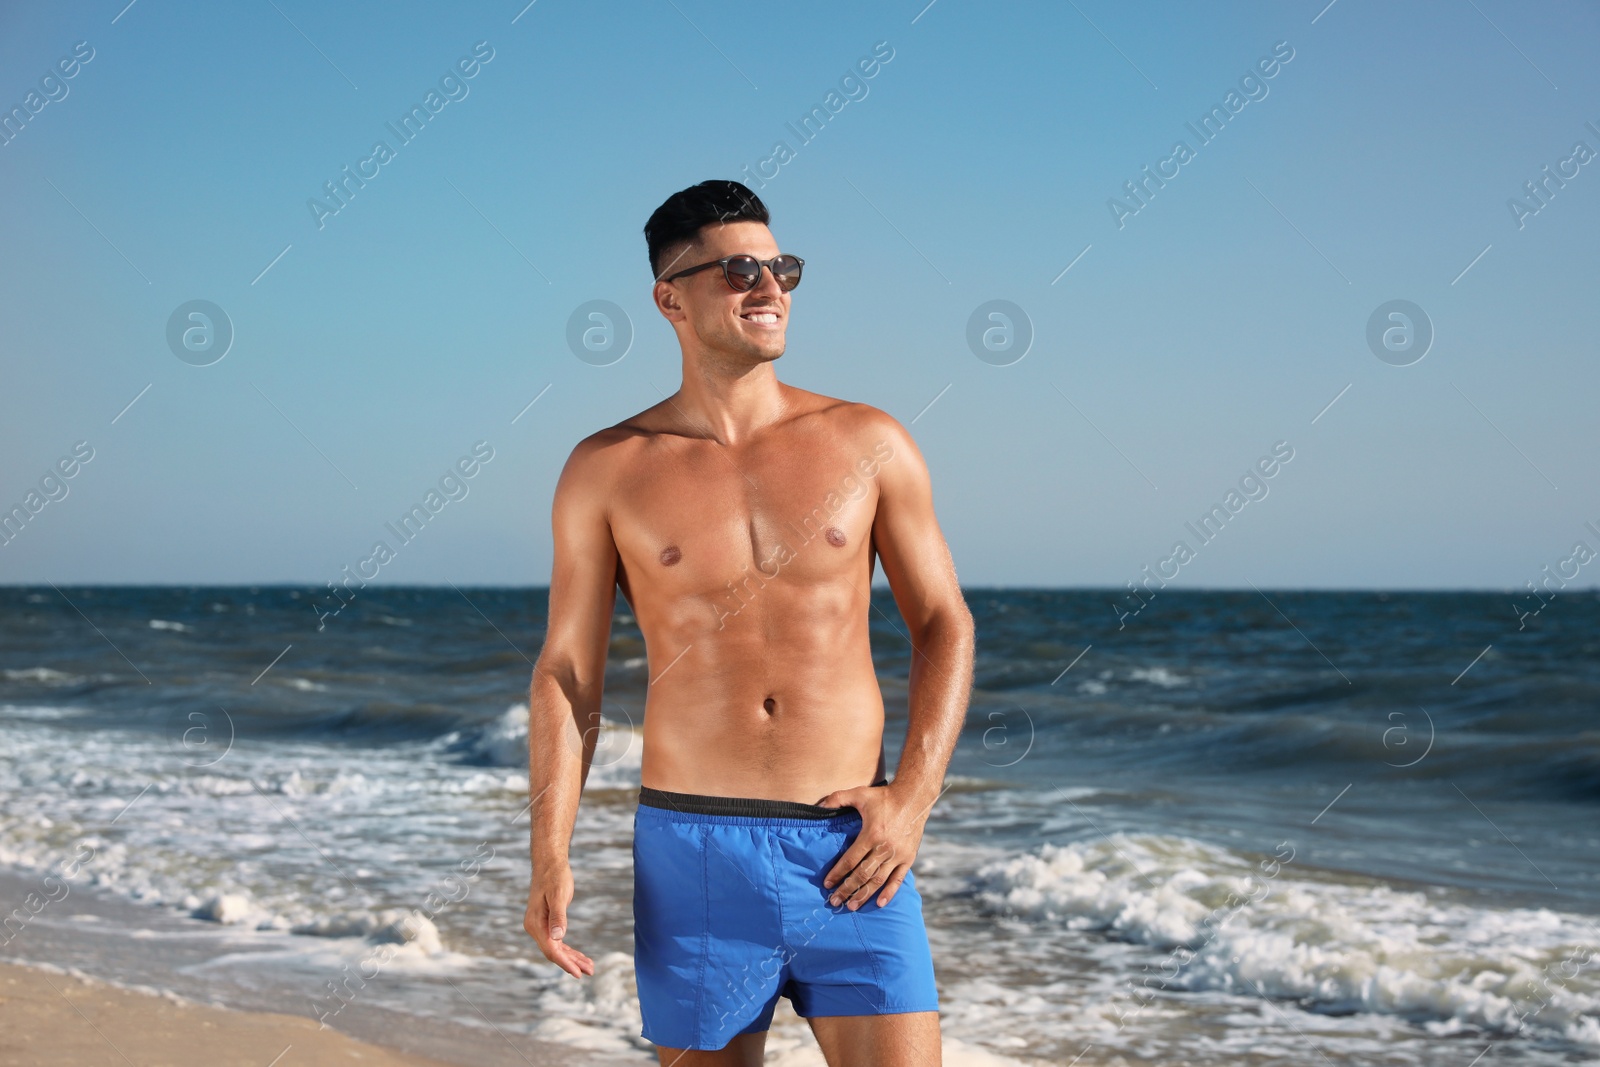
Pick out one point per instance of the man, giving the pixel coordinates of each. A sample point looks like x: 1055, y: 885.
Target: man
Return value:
x: 741, y: 518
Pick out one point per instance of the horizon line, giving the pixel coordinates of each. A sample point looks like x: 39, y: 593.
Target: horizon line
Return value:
x: 876, y: 587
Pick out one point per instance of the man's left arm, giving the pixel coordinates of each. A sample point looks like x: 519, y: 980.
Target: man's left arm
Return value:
x: 922, y: 577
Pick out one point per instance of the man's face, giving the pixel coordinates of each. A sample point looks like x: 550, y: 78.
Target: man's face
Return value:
x: 749, y: 325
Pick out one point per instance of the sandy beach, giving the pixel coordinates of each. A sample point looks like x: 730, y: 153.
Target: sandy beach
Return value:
x: 50, y: 1018
x: 55, y: 1018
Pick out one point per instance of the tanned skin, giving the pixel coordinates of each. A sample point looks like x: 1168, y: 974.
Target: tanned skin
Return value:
x: 711, y: 511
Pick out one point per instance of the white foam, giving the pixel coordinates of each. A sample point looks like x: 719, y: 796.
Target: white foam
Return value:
x: 394, y: 926
x: 797, y: 1048
x: 503, y: 742
x: 163, y: 624
x: 1158, y: 676
x: 206, y: 844
x: 42, y: 675
x: 38, y: 712
x: 600, y: 1013
x: 1229, y: 925
x: 229, y: 909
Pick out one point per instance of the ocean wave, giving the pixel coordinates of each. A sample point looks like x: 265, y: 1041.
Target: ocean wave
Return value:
x: 1233, y: 923
x: 43, y: 676
x: 1158, y: 676
x: 397, y: 926
x: 390, y: 926
x: 503, y: 742
x: 38, y: 712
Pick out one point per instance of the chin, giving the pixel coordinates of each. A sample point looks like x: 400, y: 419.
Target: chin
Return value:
x: 763, y: 353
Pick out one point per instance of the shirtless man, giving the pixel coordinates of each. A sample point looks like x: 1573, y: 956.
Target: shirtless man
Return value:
x: 741, y: 518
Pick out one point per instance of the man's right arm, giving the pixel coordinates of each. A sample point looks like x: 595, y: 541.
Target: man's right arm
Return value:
x: 564, y: 694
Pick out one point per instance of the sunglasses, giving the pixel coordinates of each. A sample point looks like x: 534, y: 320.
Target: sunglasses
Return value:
x: 743, y: 272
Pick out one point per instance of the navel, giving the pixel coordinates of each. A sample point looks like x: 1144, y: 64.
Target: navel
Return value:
x: 835, y: 537
x: 770, y: 704
x: 670, y: 555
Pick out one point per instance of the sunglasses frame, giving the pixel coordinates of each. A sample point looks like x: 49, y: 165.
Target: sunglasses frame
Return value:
x: 727, y: 277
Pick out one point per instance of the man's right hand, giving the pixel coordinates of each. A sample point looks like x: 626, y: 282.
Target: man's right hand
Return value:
x: 546, y: 919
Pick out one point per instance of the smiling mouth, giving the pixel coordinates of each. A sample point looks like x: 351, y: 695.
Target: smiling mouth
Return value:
x: 761, y: 318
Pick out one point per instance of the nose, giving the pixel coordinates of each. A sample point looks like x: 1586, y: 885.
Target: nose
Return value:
x: 767, y: 283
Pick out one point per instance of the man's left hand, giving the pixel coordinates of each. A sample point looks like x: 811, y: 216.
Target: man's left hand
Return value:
x: 880, y: 857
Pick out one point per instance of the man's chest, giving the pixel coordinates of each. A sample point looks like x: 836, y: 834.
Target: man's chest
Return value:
x: 694, y: 519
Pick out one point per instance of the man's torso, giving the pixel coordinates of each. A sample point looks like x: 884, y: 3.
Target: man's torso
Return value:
x: 749, y: 569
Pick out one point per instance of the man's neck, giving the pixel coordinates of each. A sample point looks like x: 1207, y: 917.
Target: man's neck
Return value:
x: 730, y: 403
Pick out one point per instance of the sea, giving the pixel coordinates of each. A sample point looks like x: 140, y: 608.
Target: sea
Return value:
x: 1231, y: 827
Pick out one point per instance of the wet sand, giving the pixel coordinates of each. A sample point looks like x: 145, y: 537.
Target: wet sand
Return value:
x: 133, y: 957
x: 59, y: 1019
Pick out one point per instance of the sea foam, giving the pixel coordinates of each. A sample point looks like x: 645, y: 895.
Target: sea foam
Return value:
x: 1232, y: 924
x: 503, y: 742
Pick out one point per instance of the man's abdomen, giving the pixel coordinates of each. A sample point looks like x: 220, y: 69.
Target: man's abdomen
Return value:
x: 783, y: 705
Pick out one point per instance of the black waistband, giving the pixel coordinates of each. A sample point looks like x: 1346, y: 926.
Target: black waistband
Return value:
x: 749, y: 807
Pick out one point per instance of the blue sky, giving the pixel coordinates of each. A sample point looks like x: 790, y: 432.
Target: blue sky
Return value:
x: 1222, y: 317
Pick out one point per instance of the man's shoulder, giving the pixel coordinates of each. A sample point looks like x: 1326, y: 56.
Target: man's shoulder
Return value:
x: 593, y: 463
x: 872, y: 437
x: 852, y: 420
x: 627, y: 443
x: 618, y: 442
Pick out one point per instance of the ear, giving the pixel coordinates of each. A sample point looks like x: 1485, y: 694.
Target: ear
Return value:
x: 667, y: 302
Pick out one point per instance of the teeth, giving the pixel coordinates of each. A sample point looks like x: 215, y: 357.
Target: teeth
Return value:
x: 762, y: 316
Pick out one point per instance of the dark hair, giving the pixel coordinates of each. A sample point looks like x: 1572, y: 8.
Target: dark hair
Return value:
x: 681, y: 217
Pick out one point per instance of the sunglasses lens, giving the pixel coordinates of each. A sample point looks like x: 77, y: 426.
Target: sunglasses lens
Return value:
x: 787, y: 270
x: 743, y: 273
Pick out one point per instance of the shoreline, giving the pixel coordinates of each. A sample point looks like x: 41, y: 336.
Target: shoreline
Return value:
x: 52, y: 1016
x: 140, y: 971
x: 55, y: 1017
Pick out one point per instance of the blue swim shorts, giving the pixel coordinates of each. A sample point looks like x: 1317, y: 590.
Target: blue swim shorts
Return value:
x: 729, y: 914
